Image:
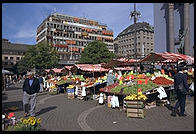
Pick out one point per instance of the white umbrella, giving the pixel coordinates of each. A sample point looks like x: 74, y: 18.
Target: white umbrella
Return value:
x: 5, y: 71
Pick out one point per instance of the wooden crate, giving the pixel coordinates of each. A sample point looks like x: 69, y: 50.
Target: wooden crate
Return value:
x: 134, y: 104
x: 70, y: 95
x: 135, y: 113
x: 161, y: 102
x: 80, y: 93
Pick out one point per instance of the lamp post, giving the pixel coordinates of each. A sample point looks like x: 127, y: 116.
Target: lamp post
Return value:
x: 135, y: 15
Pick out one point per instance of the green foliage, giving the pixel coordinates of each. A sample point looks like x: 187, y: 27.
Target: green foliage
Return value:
x: 41, y: 56
x: 96, y: 52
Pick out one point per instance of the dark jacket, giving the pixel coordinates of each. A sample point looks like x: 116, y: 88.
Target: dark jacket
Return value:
x: 180, y: 78
x: 34, y: 88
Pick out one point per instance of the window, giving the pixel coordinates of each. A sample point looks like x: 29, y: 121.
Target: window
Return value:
x: 11, y: 58
x: 17, y: 58
x: 5, y: 58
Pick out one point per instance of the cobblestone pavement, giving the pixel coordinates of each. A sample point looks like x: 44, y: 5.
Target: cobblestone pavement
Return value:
x: 60, y: 114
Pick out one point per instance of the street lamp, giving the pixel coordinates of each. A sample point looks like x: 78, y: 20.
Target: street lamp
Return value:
x: 135, y: 15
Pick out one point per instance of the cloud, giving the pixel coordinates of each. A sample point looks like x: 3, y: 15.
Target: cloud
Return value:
x: 27, y: 30
x: 24, y: 33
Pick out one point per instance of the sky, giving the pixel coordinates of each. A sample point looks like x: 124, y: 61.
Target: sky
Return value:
x: 20, y: 20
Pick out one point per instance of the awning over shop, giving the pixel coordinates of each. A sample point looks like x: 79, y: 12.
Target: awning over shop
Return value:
x: 6, y: 72
x: 56, y: 70
x: 90, y: 67
x: 47, y: 70
x: 123, y: 68
x: 119, y: 62
x: 68, y: 67
x: 181, y: 57
x: 167, y: 57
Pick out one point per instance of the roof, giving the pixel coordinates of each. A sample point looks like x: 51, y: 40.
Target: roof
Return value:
x: 139, y: 26
x: 14, y: 46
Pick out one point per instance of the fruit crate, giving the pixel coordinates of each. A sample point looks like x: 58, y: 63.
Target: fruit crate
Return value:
x: 134, y: 104
x: 135, y: 113
x: 161, y: 102
x: 70, y: 95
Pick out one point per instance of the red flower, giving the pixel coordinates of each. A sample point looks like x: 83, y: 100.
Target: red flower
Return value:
x: 139, y: 82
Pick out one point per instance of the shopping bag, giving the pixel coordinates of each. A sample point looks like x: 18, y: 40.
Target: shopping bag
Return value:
x: 192, y: 86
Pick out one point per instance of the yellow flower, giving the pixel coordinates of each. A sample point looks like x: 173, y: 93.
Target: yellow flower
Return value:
x: 21, y: 119
x: 32, y: 122
x: 25, y: 121
x: 39, y: 120
x: 32, y: 118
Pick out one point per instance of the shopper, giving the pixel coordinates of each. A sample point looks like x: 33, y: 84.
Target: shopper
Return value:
x: 110, y: 78
x: 31, y: 87
x: 84, y: 90
x: 181, y: 87
x: 41, y: 83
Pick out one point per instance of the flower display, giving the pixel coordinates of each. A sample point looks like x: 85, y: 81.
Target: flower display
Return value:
x: 26, y: 124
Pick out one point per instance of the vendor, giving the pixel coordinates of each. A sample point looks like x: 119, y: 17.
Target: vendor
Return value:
x: 110, y: 78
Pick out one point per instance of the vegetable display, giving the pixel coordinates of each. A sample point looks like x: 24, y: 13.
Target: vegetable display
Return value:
x: 162, y: 81
x: 132, y: 89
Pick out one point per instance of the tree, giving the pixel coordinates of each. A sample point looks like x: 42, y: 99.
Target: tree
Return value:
x: 41, y: 56
x: 96, y: 52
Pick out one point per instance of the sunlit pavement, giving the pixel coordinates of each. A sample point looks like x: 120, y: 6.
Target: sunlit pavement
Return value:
x: 60, y: 114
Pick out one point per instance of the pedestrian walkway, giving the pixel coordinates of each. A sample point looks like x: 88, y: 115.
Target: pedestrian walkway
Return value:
x: 60, y: 114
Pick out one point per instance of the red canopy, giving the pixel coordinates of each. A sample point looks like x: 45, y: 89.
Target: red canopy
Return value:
x: 167, y: 57
x: 68, y: 67
x: 47, y: 70
x: 124, y: 68
x: 91, y: 67
x: 180, y: 57
x: 56, y: 70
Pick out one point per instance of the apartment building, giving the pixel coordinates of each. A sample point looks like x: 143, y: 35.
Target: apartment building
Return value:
x: 12, y: 53
x: 124, y: 42
x: 70, y: 35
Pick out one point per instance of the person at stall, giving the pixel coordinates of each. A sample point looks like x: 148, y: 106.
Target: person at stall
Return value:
x: 181, y: 91
x: 83, y: 90
x: 41, y: 83
x: 110, y: 78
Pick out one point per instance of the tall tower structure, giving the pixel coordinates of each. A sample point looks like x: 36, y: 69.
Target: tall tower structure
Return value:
x: 135, y: 15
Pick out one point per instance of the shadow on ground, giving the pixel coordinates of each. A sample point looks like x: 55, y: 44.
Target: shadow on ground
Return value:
x: 45, y: 110
x: 13, y: 88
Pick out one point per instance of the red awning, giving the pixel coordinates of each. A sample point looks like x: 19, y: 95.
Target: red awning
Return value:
x: 123, y: 68
x: 167, y: 57
x: 68, y: 67
x: 57, y: 70
x: 91, y: 67
x: 47, y: 70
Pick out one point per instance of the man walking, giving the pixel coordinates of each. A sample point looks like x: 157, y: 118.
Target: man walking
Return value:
x: 31, y: 87
x: 181, y: 87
